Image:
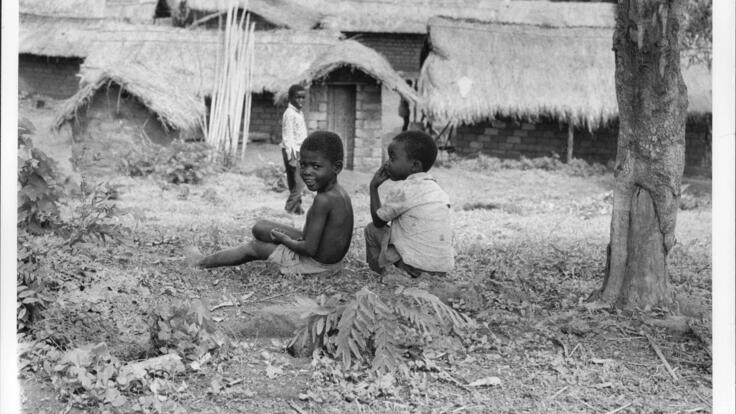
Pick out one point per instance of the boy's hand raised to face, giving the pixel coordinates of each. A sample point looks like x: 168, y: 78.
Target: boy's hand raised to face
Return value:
x: 380, y: 176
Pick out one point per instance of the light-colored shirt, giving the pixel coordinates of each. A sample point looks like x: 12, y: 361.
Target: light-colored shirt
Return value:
x: 293, y: 130
x: 421, y: 231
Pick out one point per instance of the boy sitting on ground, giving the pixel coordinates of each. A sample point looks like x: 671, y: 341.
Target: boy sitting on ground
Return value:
x: 419, y: 237
x: 328, y: 229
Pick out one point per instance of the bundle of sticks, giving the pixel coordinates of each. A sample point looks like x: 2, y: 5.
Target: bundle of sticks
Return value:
x: 231, y: 97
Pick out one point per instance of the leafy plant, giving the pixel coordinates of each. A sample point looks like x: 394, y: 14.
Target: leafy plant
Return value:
x: 30, y: 304
x: 177, y: 163
x: 38, y: 186
x: 370, y: 330
x: 184, y: 327
x: 275, y: 177
x: 94, y: 216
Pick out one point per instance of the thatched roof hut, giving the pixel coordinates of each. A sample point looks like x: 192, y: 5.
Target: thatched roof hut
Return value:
x: 130, y: 10
x: 283, y: 13
x: 479, y: 70
x: 183, y: 61
x: 349, y: 53
x: 412, y: 16
x: 175, y: 108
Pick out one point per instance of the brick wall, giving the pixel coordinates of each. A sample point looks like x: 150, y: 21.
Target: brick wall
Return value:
x: 49, y: 76
x: 401, y: 50
x: 505, y: 138
x: 368, y: 151
x: 265, y: 118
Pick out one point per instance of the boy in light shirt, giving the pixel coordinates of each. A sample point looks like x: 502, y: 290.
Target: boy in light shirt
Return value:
x: 411, y: 227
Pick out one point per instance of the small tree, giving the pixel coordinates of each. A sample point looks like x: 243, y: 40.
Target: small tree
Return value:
x: 652, y: 101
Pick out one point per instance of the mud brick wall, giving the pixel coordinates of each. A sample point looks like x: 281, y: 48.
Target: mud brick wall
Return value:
x: 265, y: 118
x: 48, y: 76
x: 507, y: 138
x: 368, y: 152
x: 400, y: 49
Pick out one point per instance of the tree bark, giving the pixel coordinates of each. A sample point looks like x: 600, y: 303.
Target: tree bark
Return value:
x: 652, y: 101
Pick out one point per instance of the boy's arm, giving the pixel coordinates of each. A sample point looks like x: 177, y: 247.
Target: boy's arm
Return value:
x: 313, y: 229
x: 378, y: 178
x: 288, y: 134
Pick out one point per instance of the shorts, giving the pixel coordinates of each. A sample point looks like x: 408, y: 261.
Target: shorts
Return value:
x: 291, y: 263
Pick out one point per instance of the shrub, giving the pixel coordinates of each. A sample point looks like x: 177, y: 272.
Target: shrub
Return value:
x: 94, y: 216
x: 38, y: 186
x: 178, y: 163
x: 274, y: 176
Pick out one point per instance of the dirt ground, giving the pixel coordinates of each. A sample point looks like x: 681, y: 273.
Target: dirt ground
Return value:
x: 532, y: 242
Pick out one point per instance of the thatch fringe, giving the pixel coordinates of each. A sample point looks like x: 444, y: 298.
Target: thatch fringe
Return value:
x: 412, y: 16
x: 175, y: 108
x: 480, y: 70
x: 349, y: 53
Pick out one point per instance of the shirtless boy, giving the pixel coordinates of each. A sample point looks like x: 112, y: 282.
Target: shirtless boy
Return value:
x: 325, y: 239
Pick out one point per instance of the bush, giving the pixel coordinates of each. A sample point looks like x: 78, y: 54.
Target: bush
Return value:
x: 178, y: 163
x: 94, y: 216
x: 576, y: 167
x: 38, y: 185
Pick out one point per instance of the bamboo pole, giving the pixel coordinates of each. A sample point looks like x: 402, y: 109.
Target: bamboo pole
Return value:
x: 249, y: 90
x: 570, y: 140
x: 231, y: 100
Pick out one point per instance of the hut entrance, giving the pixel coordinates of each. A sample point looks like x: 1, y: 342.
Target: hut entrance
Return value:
x: 341, y: 117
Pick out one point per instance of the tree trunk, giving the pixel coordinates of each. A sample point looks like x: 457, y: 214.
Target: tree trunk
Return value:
x: 652, y: 101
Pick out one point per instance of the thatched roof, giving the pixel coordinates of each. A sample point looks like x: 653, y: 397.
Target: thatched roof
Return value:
x: 164, y: 66
x: 60, y: 36
x: 285, y: 13
x: 130, y: 10
x: 187, y: 55
x: 480, y: 70
x: 412, y: 16
x: 349, y: 53
x: 176, y: 108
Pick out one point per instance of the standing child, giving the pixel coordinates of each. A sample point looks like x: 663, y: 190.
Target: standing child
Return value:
x: 293, y: 133
x: 325, y: 239
x: 419, y: 237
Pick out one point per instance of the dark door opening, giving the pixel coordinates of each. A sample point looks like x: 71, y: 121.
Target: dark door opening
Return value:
x: 341, y: 117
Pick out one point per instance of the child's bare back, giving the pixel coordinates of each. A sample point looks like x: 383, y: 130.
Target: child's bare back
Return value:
x: 338, y: 228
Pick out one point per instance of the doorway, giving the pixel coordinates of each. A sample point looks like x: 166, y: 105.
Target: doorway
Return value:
x: 341, y: 117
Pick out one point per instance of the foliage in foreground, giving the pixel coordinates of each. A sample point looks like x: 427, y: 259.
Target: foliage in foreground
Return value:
x: 177, y: 163
x: 372, y: 331
x: 39, y: 189
x: 40, y: 194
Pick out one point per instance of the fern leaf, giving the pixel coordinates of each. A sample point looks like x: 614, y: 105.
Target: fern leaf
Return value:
x: 344, y: 328
x: 444, y: 312
x: 387, y: 355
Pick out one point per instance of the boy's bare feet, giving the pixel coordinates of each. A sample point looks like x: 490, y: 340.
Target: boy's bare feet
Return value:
x: 193, y: 256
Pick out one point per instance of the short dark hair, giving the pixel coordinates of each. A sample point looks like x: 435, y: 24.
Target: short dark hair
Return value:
x: 419, y: 146
x: 293, y: 89
x: 325, y: 142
